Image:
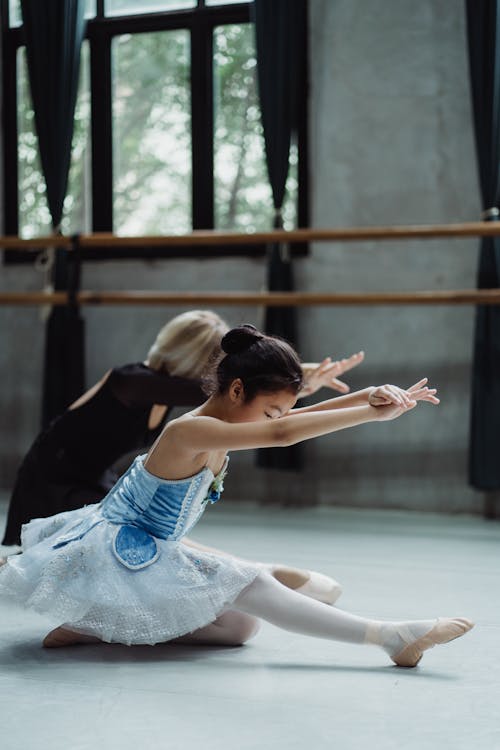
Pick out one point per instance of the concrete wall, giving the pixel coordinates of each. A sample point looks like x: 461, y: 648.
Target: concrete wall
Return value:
x: 391, y: 142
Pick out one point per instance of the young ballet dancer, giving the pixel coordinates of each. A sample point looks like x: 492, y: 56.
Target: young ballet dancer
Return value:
x: 118, y: 572
x: 70, y: 464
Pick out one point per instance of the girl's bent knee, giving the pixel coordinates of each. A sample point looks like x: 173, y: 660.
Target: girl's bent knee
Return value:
x: 239, y: 627
x: 249, y: 629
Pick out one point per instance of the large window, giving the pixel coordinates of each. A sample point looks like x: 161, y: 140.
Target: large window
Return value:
x: 151, y: 133
x: 168, y: 136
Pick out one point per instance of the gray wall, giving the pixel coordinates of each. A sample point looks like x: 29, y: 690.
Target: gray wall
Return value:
x: 391, y: 143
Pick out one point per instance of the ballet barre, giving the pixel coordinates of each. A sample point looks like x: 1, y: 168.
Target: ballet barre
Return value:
x: 209, y: 238
x: 267, y: 299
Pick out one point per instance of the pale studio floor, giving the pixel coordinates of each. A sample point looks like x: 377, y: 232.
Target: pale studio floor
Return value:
x: 284, y: 690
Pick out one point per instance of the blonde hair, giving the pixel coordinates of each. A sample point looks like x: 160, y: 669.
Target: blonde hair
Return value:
x: 186, y: 344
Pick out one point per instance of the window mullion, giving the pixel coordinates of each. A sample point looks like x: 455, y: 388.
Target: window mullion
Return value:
x: 303, y: 130
x: 202, y: 125
x: 101, y: 128
x: 10, y: 135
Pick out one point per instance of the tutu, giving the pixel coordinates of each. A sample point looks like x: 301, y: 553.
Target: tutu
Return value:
x: 118, y: 570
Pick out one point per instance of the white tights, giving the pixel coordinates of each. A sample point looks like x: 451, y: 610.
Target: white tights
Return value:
x: 268, y: 599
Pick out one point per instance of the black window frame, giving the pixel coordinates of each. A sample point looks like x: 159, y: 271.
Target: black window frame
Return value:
x: 200, y: 22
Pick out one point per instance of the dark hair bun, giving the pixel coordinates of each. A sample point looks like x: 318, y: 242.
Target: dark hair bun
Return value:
x: 240, y: 339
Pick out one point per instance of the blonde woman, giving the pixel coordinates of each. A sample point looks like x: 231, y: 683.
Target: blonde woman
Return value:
x: 68, y: 465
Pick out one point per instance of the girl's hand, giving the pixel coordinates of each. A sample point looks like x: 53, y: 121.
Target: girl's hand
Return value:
x: 325, y: 374
x: 392, y: 401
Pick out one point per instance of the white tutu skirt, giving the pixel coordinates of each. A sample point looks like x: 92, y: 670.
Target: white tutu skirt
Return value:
x: 85, y: 587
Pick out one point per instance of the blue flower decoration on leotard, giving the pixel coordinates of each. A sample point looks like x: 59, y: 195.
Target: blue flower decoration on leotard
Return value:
x: 216, y: 488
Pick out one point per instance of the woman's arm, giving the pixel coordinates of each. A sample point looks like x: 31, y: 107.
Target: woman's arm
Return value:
x: 325, y: 374
x: 139, y: 385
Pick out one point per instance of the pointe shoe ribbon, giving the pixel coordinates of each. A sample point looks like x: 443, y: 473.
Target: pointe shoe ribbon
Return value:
x: 446, y: 629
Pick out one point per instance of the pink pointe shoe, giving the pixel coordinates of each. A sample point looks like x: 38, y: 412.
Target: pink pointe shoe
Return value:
x: 307, y: 582
x: 446, y: 629
x: 320, y: 587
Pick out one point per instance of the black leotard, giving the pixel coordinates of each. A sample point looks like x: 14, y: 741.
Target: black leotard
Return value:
x: 68, y: 465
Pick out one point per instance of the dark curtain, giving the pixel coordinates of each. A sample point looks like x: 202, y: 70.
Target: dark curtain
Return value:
x: 54, y: 31
x: 484, y: 62
x: 279, y: 25
x: 64, y: 361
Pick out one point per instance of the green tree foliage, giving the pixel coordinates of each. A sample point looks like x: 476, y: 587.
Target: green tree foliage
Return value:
x: 152, y: 140
x: 34, y: 215
x: 242, y: 193
x: 151, y: 133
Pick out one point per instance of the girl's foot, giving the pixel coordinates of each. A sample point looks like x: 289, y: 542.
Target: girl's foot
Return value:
x: 308, y: 582
x: 60, y: 637
x: 3, y: 560
x: 406, y: 642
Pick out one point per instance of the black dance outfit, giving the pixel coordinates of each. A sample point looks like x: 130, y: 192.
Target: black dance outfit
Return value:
x: 69, y: 464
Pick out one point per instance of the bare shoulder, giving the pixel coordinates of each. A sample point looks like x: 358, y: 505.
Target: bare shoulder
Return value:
x: 176, y: 454
x: 189, y: 423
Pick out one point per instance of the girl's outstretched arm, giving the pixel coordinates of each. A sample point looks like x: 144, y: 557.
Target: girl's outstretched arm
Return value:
x: 203, y: 433
x: 370, y: 395
x: 358, y: 398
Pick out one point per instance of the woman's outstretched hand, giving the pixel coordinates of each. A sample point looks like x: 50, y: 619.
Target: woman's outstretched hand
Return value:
x: 325, y: 374
x: 392, y: 401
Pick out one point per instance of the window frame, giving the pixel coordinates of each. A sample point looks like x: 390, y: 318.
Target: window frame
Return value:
x: 200, y: 22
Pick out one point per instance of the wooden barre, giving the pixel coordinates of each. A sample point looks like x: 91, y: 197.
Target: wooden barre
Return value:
x: 268, y: 299
x: 209, y: 238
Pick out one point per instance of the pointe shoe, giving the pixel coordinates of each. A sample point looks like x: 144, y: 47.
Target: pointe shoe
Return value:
x: 445, y: 630
x: 308, y: 582
x: 320, y: 587
x: 60, y: 637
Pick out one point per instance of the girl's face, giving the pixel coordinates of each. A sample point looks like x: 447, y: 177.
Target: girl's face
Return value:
x: 263, y: 406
